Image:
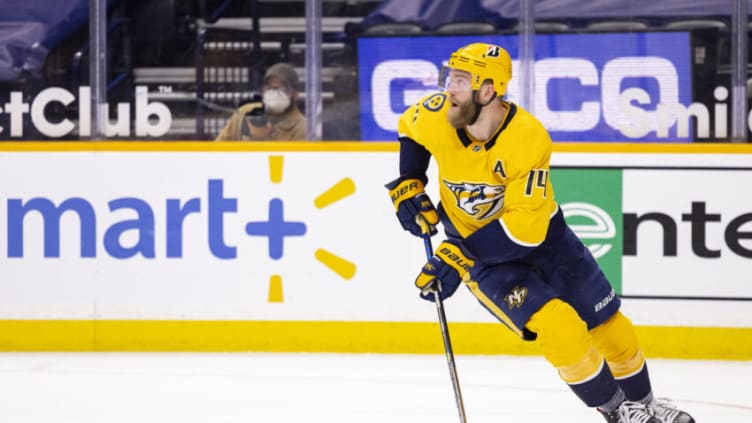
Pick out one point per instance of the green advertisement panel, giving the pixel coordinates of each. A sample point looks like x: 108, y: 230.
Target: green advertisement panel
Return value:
x: 591, y: 200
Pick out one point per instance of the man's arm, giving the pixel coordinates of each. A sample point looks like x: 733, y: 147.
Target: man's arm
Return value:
x: 230, y: 132
x: 407, y: 192
x: 414, y: 159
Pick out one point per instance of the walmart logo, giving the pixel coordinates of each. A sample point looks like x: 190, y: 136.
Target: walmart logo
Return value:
x: 276, y: 228
x: 133, y: 224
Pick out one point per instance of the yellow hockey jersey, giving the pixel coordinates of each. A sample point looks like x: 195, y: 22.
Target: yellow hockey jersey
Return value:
x: 504, y: 178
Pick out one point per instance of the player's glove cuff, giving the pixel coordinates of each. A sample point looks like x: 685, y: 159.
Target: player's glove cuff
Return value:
x: 443, y: 272
x: 452, y: 255
x: 415, y: 210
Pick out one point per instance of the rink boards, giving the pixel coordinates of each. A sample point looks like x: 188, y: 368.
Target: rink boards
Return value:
x: 295, y: 247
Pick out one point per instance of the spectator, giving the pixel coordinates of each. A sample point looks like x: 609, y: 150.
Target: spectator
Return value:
x: 276, y: 117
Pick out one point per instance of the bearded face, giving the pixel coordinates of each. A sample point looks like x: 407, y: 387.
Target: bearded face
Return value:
x: 461, y: 113
x: 460, y: 92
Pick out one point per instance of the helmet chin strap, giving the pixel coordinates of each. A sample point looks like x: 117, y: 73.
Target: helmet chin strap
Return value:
x: 479, y: 106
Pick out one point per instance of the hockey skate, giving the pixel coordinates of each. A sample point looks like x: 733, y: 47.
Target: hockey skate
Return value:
x: 666, y: 412
x: 630, y: 412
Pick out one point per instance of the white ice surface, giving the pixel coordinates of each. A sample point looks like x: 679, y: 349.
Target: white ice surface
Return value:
x: 235, y: 387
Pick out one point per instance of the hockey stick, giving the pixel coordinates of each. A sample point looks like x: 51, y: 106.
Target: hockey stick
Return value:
x: 444, y: 327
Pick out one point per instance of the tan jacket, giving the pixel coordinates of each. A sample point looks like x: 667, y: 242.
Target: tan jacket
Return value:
x: 289, y: 127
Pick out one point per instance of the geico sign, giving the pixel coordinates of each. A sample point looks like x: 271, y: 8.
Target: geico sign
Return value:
x: 153, y: 119
x: 616, y: 107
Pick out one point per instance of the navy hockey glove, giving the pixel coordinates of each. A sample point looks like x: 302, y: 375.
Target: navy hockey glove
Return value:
x: 449, y: 267
x: 412, y: 203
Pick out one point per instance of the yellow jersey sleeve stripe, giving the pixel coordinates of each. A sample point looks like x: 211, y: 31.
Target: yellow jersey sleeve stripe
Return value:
x: 491, y: 306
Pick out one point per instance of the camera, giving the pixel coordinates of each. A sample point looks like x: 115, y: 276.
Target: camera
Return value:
x: 257, y: 116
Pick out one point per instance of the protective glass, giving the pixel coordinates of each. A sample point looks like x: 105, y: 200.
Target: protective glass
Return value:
x: 460, y: 82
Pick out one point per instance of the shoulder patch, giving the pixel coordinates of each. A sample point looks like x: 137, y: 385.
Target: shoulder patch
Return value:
x: 435, y: 102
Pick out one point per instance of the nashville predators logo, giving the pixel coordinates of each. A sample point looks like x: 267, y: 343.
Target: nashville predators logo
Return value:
x: 516, y: 297
x: 478, y: 200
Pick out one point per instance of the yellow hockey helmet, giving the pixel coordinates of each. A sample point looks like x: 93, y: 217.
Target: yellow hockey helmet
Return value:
x: 483, y: 61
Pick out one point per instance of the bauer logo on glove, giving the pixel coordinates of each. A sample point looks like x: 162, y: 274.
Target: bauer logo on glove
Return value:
x: 454, y: 257
x: 413, y: 206
x: 449, y: 267
x: 404, y: 188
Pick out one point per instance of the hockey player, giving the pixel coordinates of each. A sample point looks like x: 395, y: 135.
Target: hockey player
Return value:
x: 507, y: 239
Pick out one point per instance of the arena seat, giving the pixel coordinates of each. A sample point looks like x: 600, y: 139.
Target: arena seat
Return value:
x: 628, y: 25
x: 688, y: 24
x: 466, y: 28
x: 393, y: 28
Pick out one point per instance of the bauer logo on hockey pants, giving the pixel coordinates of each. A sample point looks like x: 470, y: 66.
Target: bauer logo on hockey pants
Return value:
x: 604, y: 302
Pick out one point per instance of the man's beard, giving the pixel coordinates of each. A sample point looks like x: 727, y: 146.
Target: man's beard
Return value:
x: 462, y: 115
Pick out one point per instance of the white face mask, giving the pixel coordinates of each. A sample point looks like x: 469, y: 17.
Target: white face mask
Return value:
x: 276, y: 101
